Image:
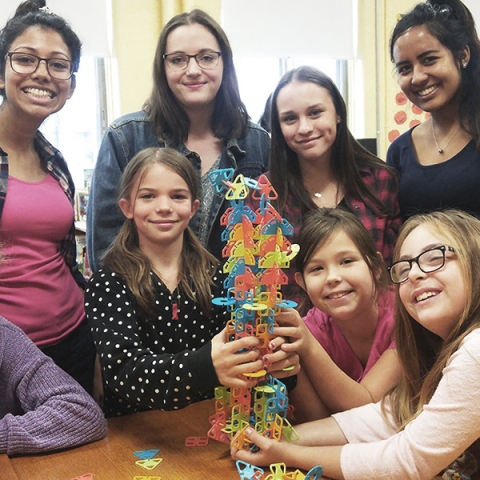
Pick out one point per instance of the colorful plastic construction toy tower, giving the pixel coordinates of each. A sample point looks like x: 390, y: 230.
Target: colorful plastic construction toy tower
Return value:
x: 256, y: 250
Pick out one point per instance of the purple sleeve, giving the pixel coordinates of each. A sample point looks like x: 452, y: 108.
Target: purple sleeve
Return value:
x: 43, y: 407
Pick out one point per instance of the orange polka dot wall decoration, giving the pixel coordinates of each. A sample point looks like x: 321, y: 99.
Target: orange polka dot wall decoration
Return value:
x: 405, y: 116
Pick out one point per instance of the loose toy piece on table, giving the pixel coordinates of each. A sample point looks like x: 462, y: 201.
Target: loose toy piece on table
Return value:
x: 196, y: 442
x: 147, y: 478
x: 149, y: 464
x: 146, y: 454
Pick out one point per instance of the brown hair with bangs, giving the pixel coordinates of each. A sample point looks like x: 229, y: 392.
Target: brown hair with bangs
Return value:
x: 318, y: 227
x: 125, y: 256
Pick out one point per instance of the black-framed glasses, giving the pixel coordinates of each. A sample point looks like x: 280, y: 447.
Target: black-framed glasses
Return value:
x: 428, y: 261
x: 205, y: 60
x: 26, y: 63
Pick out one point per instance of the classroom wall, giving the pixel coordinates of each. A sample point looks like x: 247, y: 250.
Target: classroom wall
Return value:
x: 396, y: 113
x: 377, y: 111
x: 136, y: 28
x: 136, y: 31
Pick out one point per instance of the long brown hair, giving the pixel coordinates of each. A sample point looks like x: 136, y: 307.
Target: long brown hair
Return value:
x: 125, y: 256
x: 348, y: 156
x: 422, y: 354
x: 229, y: 119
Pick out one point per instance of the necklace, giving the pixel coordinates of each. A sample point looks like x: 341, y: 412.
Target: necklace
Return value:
x: 441, y: 150
x: 317, y: 194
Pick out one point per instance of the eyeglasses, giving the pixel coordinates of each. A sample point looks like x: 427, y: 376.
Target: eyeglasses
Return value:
x: 25, y: 63
x: 205, y: 60
x: 428, y: 261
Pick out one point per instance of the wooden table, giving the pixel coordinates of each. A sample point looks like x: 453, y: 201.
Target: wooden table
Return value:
x: 113, y: 459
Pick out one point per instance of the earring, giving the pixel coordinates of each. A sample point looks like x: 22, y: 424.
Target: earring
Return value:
x: 464, y: 64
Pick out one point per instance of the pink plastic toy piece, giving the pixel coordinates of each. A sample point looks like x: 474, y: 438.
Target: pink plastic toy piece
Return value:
x: 196, y: 441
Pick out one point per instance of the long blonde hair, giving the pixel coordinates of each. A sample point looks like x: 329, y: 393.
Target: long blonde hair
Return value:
x: 125, y: 256
x: 424, y: 355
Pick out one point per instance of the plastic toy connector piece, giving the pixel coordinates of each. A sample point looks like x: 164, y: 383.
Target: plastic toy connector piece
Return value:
x: 264, y: 187
x: 238, y: 190
x: 248, y: 472
x: 315, y: 473
x: 220, y: 179
x: 146, y: 454
x: 278, y: 471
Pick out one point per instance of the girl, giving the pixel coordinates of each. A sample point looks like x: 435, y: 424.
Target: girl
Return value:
x: 316, y: 162
x: 195, y: 108
x: 431, y: 417
x: 41, y: 289
x: 160, y: 339
x: 436, y: 52
x: 345, y: 342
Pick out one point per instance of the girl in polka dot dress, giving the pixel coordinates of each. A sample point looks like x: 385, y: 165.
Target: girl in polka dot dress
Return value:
x: 161, y: 341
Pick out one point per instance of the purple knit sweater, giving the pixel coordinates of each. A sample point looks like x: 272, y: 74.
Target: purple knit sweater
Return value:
x: 41, y: 407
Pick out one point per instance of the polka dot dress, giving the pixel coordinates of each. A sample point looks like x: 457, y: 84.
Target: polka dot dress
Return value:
x: 161, y: 363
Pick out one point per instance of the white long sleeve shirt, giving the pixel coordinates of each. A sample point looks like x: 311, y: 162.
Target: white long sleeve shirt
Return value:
x: 447, y: 426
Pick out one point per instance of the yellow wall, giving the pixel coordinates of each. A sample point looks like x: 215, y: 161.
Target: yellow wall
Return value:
x: 136, y: 28
x: 396, y: 116
x: 366, y: 54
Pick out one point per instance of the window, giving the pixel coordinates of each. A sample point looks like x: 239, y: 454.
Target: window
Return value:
x: 77, y: 129
x: 258, y: 77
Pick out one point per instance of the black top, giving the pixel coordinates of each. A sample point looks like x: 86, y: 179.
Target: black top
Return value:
x: 164, y: 363
x: 454, y: 183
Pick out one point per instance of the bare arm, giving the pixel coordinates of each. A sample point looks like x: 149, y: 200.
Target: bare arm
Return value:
x: 336, y: 389
x: 322, y: 445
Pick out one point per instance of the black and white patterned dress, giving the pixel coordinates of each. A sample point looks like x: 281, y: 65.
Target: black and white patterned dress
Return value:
x: 162, y: 363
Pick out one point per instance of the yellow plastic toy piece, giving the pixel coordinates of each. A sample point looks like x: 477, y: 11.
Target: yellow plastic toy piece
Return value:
x: 238, y: 190
x: 289, y: 432
x: 255, y: 306
x: 278, y: 471
x: 149, y: 464
x: 260, y: 373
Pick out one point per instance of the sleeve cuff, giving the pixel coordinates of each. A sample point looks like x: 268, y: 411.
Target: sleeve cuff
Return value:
x: 204, y: 377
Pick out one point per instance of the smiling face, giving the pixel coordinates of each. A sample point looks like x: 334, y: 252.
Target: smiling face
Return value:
x: 161, y: 206
x: 427, y: 72
x: 436, y: 300
x: 308, y: 120
x: 193, y: 87
x: 338, y: 280
x: 37, y: 95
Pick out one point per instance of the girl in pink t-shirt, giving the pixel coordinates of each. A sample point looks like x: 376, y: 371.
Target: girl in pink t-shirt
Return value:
x: 345, y: 342
x: 428, y: 425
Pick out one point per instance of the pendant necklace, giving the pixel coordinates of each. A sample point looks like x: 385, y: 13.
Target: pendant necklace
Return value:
x: 317, y: 194
x: 442, y: 150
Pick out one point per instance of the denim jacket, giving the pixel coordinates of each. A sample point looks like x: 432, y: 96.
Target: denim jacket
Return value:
x: 126, y: 137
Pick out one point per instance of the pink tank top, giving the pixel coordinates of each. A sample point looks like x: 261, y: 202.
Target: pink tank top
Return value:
x: 37, y: 290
